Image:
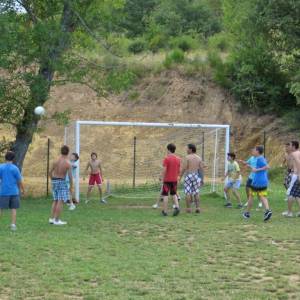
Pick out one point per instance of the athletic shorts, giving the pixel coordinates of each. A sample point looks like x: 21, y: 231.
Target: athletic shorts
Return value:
x: 233, y: 184
x: 249, y: 183
x: 259, y: 191
x: 295, y: 191
x: 192, y: 183
x: 60, y: 190
x: 287, y: 179
x: 169, y: 188
x: 95, y: 179
x: 9, y: 202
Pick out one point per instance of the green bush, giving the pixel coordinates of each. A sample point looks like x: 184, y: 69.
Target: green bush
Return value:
x: 220, y: 70
x: 219, y: 41
x: 157, y: 42
x: 137, y: 46
x: 185, y: 43
x: 174, y: 57
x: 119, y: 80
x: 292, y: 119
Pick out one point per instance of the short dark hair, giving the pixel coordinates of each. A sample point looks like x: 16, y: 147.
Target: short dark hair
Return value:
x: 76, y: 155
x: 259, y: 149
x: 94, y: 153
x: 64, y: 150
x: 295, y: 144
x: 232, y: 155
x: 10, y: 156
x: 172, y: 148
x: 192, y: 147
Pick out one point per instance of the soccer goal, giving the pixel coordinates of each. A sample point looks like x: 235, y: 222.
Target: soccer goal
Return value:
x: 131, y: 153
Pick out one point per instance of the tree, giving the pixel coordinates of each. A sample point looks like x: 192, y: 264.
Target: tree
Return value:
x: 38, y: 46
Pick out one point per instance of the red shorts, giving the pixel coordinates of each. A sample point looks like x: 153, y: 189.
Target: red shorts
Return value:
x: 95, y: 179
x: 169, y: 187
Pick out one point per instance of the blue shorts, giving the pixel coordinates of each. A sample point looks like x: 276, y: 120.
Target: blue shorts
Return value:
x: 233, y: 184
x: 60, y: 190
x: 9, y: 202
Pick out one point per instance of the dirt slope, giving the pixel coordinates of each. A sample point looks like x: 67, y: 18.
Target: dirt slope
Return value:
x: 168, y: 97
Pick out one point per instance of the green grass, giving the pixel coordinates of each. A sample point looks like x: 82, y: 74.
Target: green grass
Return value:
x: 124, y: 251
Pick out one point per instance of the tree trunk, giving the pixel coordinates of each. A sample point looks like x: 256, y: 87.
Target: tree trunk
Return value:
x: 39, y: 95
x: 21, y: 144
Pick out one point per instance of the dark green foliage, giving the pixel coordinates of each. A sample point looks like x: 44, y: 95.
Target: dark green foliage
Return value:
x: 118, y: 80
x: 137, y: 46
x: 185, y: 43
x: 174, y: 57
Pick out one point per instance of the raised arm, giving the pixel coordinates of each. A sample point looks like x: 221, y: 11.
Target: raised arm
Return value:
x: 70, y: 177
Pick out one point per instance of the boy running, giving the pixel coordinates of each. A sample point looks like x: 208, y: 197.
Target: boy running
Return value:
x: 95, y: 176
x: 10, y: 187
x: 169, y: 177
x: 259, y: 184
x: 61, y: 193
x: 192, y: 169
x: 233, y: 182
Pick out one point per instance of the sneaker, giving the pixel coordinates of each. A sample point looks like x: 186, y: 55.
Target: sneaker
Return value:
x: 240, y: 206
x: 246, y: 215
x: 103, y: 201
x: 164, y: 213
x: 72, y: 207
x: 260, y: 205
x: 13, y: 227
x: 51, y: 221
x: 155, y: 206
x: 228, y: 205
x: 267, y: 215
x: 176, y: 211
x: 197, y: 211
x: 59, y: 222
x: 287, y: 214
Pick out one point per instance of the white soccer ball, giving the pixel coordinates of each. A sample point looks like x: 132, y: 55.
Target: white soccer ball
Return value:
x: 39, y: 110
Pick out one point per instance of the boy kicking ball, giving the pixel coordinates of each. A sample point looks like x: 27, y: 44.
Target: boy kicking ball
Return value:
x: 260, y: 184
x: 233, y: 182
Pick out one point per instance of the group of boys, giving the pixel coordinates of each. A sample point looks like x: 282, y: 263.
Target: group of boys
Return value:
x: 256, y: 185
x: 173, y: 171
x: 64, y: 170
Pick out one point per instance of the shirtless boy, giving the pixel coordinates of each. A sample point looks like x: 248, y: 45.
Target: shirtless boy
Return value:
x: 61, y: 193
x: 96, y: 177
x: 293, y: 190
x: 192, y: 168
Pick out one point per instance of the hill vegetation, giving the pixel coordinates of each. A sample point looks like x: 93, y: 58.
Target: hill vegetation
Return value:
x: 249, y: 47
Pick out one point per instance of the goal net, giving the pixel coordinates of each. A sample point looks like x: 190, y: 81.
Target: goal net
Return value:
x: 131, y: 154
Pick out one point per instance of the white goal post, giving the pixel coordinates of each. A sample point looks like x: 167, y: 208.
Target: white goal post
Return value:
x: 80, y: 123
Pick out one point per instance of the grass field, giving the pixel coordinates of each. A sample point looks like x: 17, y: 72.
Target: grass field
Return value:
x: 126, y: 250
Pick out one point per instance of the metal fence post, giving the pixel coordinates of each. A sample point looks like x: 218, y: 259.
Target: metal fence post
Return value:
x: 134, y: 162
x: 48, y: 165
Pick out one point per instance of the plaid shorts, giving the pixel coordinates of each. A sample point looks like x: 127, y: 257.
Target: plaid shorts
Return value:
x: 192, y: 183
x: 295, y: 191
x: 287, y: 179
x: 60, y: 190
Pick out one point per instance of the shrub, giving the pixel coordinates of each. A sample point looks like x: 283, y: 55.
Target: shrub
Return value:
x: 219, y: 41
x: 118, y: 80
x: 185, y: 43
x: 157, y: 42
x: 137, y: 46
x: 176, y: 56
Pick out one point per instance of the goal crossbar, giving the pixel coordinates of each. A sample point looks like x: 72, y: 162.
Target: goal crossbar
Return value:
x: 80, y: 123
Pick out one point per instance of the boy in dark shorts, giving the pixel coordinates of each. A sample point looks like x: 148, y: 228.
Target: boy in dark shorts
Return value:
x: 259, y: 185
x: 170, y: 174
x: 10, y: 187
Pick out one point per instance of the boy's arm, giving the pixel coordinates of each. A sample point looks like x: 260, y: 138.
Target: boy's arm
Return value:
x: 183, y: 168
x: 51, y: 170
x: 21, y: 186
x: 70, y: 177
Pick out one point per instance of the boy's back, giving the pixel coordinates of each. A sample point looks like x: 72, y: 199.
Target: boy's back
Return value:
x: 10, y: 177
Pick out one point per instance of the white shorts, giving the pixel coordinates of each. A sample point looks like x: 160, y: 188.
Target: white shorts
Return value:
x: 233, y: 184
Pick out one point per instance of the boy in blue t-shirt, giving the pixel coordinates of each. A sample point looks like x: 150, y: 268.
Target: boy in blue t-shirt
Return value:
x: 10, y: 186
x: 259, y: 184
